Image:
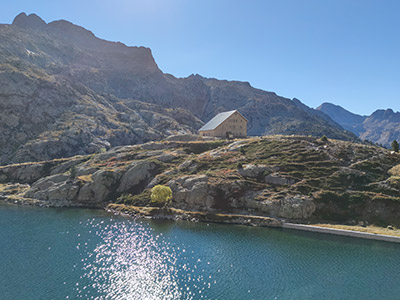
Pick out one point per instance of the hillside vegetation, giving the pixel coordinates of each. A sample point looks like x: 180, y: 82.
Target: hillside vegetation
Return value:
x: 290, y: 177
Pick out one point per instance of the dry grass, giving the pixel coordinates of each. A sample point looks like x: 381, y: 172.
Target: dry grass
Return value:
x: 85, y: 178
x: 13, y: 189
x: 2, y: 187
x: 369, y: 229
x: 56, y: 160
x: 395, y: 171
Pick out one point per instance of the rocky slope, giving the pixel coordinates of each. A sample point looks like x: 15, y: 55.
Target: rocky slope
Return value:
x: 64, y: 92
x: 292, y: 178
x: 382, y: 127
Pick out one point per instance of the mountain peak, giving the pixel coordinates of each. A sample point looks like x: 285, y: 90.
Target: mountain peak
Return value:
x: 69, y: 29
x: 386, y: 114
x: 328, y: 105
x: 339, y: 114
x: 29, y: 21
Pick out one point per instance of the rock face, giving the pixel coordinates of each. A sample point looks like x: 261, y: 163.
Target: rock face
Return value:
x: 295, y: 207
x: 278, y: 180
x: 65, y: 92
x: 192, y: 192
x: 31, y: 172
x: 40, y: 188
x: 138, y: 176
x: 253, y: 171
x: 382, y: 127
x: 98, y: 191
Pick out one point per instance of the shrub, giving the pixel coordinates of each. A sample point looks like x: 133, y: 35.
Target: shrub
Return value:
x: 324, y: 138
x: 395, y: 146
x: 239, y: 166
x: 72, y: 172
x: 161, y: 194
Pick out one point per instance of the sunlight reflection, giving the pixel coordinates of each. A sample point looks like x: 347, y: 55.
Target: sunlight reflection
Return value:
x: 131, y: 263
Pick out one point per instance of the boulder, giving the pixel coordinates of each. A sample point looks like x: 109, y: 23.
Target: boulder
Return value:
x: 46, y: 182
x: 57, y: 189
x: 139, y: 174
x: 235, y: 146
x: 276, y: 179
x: 188, y: 165
x: 65, y: 191
x: 253, y: 171
x: 191, y: 192
x: 97, y: 192
x: 290, y: 207
x: 166, y: 157
x: 160, y: 177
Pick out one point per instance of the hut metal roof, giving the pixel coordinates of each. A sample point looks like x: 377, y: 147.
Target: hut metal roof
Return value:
x: 217, y: 120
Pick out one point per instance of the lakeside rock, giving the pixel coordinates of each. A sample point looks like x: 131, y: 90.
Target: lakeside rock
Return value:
x: 291, y: 178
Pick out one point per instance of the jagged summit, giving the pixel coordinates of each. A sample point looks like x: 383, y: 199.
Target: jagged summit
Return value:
x: 339, y: 114
x: 382, y: 126
x: 31, y: 21
x: 386, y: 114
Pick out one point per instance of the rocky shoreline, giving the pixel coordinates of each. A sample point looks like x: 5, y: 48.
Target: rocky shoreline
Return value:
x: 174, y: 214
x: 170, y: 213
x: 167, y: 213
x: 298, y: 179
x: 247, y: 220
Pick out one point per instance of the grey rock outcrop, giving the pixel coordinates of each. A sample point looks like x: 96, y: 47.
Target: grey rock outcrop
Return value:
x: 253, y: 171
x: 277, y: 179
x: 57, y: 190
x: 291, y: 207
x: 192, y: 192
x: 139, y: 175
x: 343, y: 181
x: 97, y: 192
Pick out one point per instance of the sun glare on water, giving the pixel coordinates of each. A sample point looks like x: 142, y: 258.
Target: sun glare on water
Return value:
x: 132, y: 262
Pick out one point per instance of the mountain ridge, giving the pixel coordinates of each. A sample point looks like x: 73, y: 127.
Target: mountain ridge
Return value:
x: 382, y: 126
x: 66, y: 92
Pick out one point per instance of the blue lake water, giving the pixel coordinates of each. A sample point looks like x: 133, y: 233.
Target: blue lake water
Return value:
x: 90, y: 254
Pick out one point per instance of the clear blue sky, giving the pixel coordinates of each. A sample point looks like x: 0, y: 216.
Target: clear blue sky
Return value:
x: 341, y: 51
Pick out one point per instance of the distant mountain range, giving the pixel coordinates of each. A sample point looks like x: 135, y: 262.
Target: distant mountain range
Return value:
x: 382, y: 127
x: 64, y: 92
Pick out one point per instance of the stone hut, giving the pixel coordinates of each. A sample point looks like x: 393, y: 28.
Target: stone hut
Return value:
x: 229, y: 124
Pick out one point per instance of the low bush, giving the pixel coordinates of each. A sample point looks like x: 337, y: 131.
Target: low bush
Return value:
x: 161, y: 194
